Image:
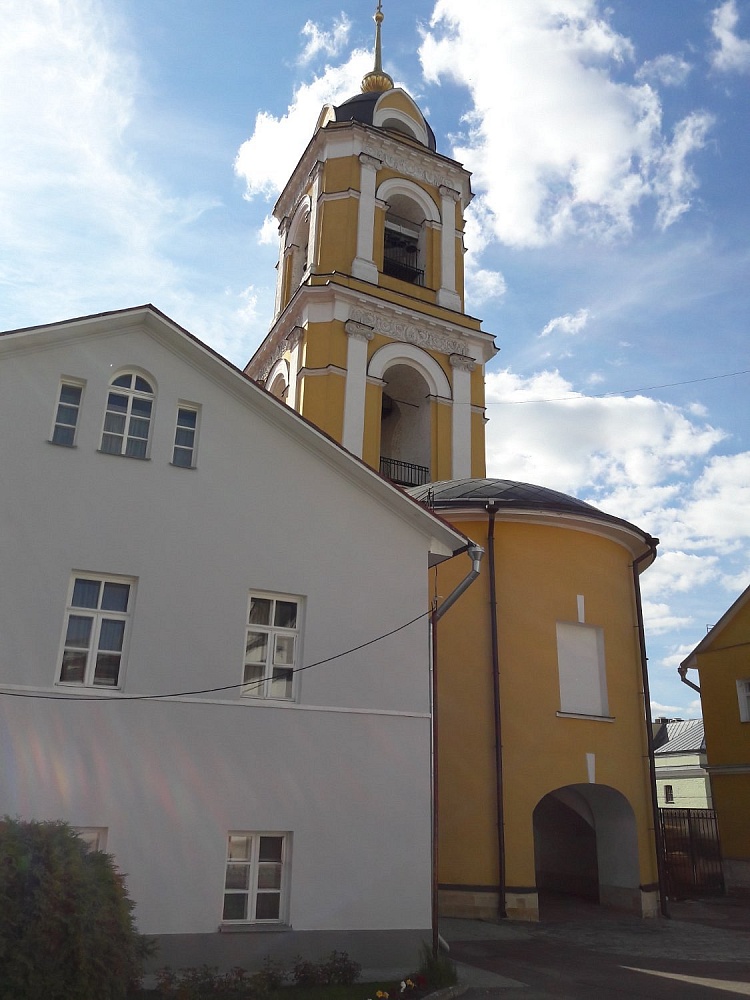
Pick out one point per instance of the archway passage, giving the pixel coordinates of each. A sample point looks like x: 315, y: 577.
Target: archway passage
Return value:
x: 405, y: 428
x: 585, y: 851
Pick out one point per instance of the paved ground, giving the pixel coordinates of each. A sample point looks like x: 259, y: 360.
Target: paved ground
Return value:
x: 702, y: 951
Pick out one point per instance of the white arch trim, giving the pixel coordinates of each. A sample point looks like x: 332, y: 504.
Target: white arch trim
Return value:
x: 413, y: 357
x: 300, y: 216
x: 396, y: 185
x: 384, y: 110
x: 279, y: 371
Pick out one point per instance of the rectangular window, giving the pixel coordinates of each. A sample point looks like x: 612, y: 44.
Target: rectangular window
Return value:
x: 668, y: 794
x: 743, y: 697
x: 271, y: 646
x: 256, y: 877
x: 66, y: 415
x: 184, y: 437
x: 582, y: 674
x: 96, y: 626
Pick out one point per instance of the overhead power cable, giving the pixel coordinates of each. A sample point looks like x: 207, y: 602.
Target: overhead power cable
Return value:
x: 620, y: 392
x: 212, y: 690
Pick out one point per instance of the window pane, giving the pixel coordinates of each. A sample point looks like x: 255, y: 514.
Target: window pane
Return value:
x: 123, y: 381
x: 269, y: 876
x: 260, y: 611
x: 267, y: 906
x: 135, y: 448
x: 256, y: 648
x: 142, y: 385
x: 86, y: 593
x: 183, y: 457
x: 79, y: 632
x: 141, y: 407
x: 111, y: 635
x: 116, y: 403
x: 70, y: 394
x: 271, y: 848
x: 114, y: 423
x: 184, y: 437
x: 73, y: 667
x: 187, y: 418
x: 111, y: 444
x: 235, y: 906
x: 63, y: 435
x: 283, y: 653
x: 238, y: 877
x: 281, y: 683
x: 286, y: 614
x: 253, y: 680
x: 107, y: 669
x: 238, y: 848
x: 138, y: 427
x: 67, y: 415
x: 115, y: 596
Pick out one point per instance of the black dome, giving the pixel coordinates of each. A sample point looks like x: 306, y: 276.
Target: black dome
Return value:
x: 361, y: 108
x: 510, y: 495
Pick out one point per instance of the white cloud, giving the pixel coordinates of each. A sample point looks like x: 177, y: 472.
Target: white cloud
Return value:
x: 569, y: 323
x: 667, y: 69
x: 482, y: 286
x: 266, y: 160
x: 733, y: 53
x: 659, y: 618
x: 269, y: 231
x: 678, y: 572
x: 567, y: 150
x: 329, y: 43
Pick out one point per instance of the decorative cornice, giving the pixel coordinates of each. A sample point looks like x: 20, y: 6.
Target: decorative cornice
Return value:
x: 284, y: 344
x: 411, y: 164
x: 408, y: 332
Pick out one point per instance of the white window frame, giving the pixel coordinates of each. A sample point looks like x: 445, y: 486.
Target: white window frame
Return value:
x: 129, y: 421
x: 95, y: 644
x: 669, y: 795
x: 248, y: 878
x: 743, y: 699
x: 266, y: 669
x: 185, y: 437
x: 582, y: 670
x: 60, y: 424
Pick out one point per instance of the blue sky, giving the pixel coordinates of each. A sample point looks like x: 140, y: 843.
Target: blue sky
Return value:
x: 144, y: 143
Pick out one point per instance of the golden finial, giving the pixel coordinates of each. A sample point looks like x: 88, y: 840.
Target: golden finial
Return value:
x: 377, y: 80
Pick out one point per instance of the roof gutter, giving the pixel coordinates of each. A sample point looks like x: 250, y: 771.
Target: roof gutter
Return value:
x: 682, y: 671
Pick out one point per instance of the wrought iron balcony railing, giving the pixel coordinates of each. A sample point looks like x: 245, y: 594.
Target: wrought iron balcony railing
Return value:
x: 404, y: 473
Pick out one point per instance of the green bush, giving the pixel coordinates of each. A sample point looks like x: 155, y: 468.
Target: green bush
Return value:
x: 66, y: 925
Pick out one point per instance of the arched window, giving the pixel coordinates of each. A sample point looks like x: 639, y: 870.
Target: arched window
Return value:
x: 408, y: 208
x: 405, y: 427
x: 299, y: 244
x: 127, y: 420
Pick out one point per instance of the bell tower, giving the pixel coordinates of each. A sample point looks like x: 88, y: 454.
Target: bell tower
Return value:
x: 370, y: 340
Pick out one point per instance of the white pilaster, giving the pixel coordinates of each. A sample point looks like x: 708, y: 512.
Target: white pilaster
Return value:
x: 447, y: 295
x: 283, y: 233
x: 356, y: 381
x: 363, y: 265
x: 313, y: 246
x: 294, y: 340
x: 462, y: 369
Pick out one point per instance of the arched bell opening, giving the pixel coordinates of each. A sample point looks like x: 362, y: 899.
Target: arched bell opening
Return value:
x: 405, y: 426
x: 585, y: 850
x: 404, y: 241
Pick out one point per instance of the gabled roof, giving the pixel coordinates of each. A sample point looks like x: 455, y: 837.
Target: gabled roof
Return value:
x: 683, y: 737
x: 445, y: 540
x: 710, y: 637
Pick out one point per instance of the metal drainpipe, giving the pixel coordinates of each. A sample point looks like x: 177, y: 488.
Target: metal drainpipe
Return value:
x: 475, y: 552
x: 499, y: 812
x: 658, y: 840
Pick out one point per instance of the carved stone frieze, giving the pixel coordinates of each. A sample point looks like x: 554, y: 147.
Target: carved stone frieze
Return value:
x: 410, y: 166
x: 408, y: 332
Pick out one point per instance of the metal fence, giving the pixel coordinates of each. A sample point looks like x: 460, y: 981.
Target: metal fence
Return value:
x: 692, y: 853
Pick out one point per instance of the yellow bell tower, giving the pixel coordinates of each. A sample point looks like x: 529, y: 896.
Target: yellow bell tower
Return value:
x: 370, y: 340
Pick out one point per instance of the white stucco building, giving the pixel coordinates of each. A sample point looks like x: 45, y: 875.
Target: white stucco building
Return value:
x: 185, y: 559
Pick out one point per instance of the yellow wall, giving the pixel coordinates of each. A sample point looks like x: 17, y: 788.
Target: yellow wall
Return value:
x: 540, y: 572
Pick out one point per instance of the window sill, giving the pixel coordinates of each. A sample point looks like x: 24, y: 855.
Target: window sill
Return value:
x: 61, y: 444
x: 186, y: 467
x: 580, y: 715
x: 133, y: 458
x: 249, y: 928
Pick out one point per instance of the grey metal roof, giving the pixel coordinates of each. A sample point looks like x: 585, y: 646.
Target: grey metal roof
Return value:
x: 684, y: 737
x: 508, y: 495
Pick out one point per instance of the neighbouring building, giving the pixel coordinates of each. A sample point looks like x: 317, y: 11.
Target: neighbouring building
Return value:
x: 723, y: 664
x: 682, y: 780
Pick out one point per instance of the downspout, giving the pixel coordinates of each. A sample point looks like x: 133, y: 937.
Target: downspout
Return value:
x: 658, y: 840
x: 682, y: 671
x: 475, y: 553
x: 500, y: 818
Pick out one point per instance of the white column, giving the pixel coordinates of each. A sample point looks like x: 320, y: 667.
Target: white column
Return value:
x: 462, y: 368
x: 363, y: 265
x: 294, y: 340
x: 447, y: 295
x: 356, y: 382
x: 313, y: 241
x: 283, y: 233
